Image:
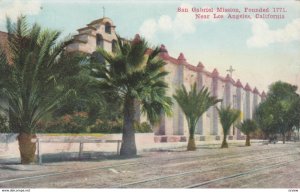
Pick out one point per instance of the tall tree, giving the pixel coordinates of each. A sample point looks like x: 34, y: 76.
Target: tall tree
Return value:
x: 247, y: 127
x: 193, y: 104
x: 281, y: 110
x: 89, y: 98
x: 227, y: 117
x: 265, y: 119
x: 135, y: 75
x: 32, y: 79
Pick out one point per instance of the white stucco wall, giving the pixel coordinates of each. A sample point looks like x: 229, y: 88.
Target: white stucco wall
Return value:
x: 179, y: 74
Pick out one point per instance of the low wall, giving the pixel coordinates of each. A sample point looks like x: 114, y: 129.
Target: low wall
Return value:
x: 9, y: 149
x: 9, y: 145
x: 140, y: 138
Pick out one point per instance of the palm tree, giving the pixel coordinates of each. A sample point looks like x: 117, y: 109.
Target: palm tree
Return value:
x: 247, y: 126
x: 227, y: 117
x: 134, y: 74
x: 32, y: 79
x: 193, y: 104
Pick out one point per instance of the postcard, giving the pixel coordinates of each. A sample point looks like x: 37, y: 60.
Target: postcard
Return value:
x: 98, y: 94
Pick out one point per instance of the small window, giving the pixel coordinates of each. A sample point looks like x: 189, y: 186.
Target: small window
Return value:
x: 99, y: 40
x: 107, y: 28
x: 114, y: 46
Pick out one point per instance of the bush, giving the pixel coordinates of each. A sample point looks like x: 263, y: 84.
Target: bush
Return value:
x: 117, y: 126
x: 4, y: 128
x: 76, y: 123
x: 258, y: 134
x: 143, y: 127
x: 80, y: 123
x: 106, y: 127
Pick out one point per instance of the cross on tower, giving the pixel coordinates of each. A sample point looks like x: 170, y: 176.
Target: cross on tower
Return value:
x: 230, y: 70
x: 103, y: 9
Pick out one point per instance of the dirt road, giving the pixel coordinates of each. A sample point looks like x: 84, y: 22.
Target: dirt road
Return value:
x: 258, y: 166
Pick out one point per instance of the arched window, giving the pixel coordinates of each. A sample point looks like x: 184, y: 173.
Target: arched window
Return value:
x: 113, y: 45
x: 99, y: 40
x: 107, y: 27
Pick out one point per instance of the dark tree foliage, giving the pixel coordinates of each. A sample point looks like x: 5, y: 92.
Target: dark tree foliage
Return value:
x: 89, y: 97
x: 281, y: 110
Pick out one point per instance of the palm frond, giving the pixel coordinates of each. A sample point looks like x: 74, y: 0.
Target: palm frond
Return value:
x: 227, y: 117
x: 194, y: 103
x: 34, y: 85
x: 247, y: 126
x: 129, y: 72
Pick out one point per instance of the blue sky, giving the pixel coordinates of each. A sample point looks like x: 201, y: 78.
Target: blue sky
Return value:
x: 261, y: 51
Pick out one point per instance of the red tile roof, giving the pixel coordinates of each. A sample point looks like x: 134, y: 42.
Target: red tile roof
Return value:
x: 247, y: 87
x: 239, y: 84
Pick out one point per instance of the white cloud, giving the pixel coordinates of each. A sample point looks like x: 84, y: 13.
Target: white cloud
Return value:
x: 165, y: 23
x: 263, y: 35
x: 148, y: 28
x: 183, y: 23
x: 13, y: 8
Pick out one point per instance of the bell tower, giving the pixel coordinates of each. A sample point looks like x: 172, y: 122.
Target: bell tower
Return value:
x: 99, y: 33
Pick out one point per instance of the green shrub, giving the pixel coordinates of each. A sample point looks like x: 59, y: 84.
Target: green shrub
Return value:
x: 79, y: 123
x: 106, y: 126
x: 4, y: 128
x: 76, y: 123
x: 117, y: 126
x: 143, y: 127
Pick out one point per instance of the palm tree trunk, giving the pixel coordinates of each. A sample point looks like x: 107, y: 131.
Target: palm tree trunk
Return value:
x: 247, y: 140
x: 191, y: 143
x: 128, y: 147
x: 27, y: 148
x: 224, y: 143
